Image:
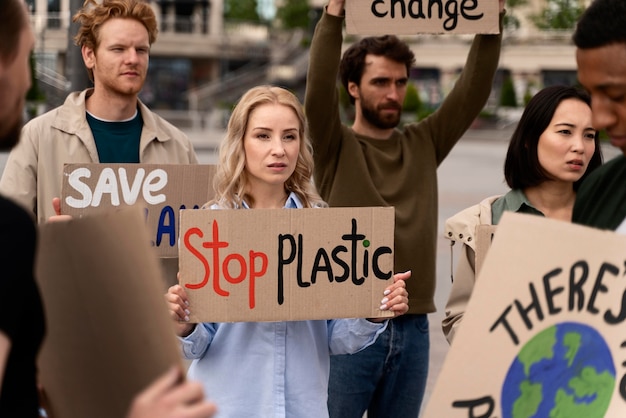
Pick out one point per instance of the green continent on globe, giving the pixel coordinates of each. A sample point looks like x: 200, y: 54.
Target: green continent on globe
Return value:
x: 541, y: 348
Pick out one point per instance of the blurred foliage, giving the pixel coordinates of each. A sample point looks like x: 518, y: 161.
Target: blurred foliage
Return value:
x: 558, y: 14
x: 294, y: 14
x: 245, y: 10
x: 412, y: 101
x: 34, y: 94
x: 508, y: 98
x: 510, y: 20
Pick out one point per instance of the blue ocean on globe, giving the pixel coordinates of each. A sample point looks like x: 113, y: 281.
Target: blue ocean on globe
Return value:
x: 564, y: 371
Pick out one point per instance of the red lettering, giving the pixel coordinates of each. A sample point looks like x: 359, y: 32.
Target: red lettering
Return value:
x: 198, y: 254
x: 216, y: 244
x: 254, y: 273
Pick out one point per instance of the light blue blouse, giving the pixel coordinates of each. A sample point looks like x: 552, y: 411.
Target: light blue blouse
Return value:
x: 272, y: 369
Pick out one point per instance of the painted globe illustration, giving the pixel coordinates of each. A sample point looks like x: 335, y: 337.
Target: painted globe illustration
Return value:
x: 564, y: 371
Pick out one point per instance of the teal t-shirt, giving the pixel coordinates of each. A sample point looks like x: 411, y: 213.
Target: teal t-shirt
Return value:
x: 117, y: 141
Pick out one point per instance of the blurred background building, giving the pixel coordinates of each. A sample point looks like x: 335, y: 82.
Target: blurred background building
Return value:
x: 208, y: 52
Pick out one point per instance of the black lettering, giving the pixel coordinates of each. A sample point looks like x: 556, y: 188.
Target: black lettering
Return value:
x: 321, y: 255
x: 599, y: 287
x: 376, y: 12
x: 576, y: 294
x: 504, y: 322
x: 341, y: 263
x: 472, y: 404
x: 470, y: 5
x: 393, y: 8
x: 354, y: 238
x: 283, y: 262
x: 431, y: 3
x: 611, y: 319
x: 533, y: 306
x: 452, y: 13
x: 377, y: 273
x: 416, y: 15
x: 550, y: 293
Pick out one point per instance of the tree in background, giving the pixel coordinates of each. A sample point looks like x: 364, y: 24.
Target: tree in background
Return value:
x: 413, y: 103
x: 294, y: 14
x: 558, y: 14
x: 35, y: 96
x: 510, y: 20
x: 508, y: 98
x: 244, y: 10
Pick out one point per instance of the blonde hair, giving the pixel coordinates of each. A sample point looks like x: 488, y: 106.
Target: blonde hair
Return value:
x: 231, y: 178
x: 94, y: 14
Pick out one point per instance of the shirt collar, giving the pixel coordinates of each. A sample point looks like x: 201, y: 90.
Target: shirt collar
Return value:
x: 514, y: 200
x: 293, y: 202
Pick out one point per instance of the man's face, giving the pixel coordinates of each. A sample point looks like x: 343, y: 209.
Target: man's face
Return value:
x: 14, y: 83
x: 602, y: 72
x: 381, y: 92
x: 120, y: 62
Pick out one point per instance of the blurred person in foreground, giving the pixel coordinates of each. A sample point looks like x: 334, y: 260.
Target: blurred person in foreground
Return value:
x: 22, y: 322
x: 378, y: 162
x: 552, y: 150
x: 600, y: 39
x: 104, y: 124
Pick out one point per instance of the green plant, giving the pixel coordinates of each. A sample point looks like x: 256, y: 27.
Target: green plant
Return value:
x: 34, y: 94
x: 412, y: 101
x: 508, y: 98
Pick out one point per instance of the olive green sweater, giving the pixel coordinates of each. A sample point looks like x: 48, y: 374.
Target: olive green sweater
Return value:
x: 353, y: 170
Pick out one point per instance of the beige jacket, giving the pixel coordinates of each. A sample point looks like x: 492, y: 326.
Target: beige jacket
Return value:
x: 462, y: 227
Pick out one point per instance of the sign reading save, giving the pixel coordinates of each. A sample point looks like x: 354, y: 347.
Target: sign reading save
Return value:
x: 275, y: 264
x: 161, y: 189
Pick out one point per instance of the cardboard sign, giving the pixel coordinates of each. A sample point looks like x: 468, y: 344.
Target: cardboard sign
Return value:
x: 161, y: 189
x: 408, y: 17
x: 484, y: 237
x: 276, y: 265
x: 543, y: 334
x: 108, y: 333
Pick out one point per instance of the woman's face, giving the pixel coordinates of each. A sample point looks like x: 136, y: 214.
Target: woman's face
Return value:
x: 272, y: 144
x: 567, y: 144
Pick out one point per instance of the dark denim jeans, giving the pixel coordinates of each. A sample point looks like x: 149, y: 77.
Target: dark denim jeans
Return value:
x: 388, y: 379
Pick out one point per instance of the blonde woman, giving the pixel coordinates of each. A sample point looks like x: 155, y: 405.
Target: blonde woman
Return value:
x: 270, y: 369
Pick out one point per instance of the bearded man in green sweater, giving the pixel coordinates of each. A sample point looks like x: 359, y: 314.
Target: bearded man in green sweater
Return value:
x: 373, y: 163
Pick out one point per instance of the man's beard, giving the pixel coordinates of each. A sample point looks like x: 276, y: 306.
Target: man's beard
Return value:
x: 10, y: 137
x: 373, y: 116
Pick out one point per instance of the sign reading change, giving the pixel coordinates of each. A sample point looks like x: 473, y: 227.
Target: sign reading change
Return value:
x: 408, y: 17
x: 543, y: 334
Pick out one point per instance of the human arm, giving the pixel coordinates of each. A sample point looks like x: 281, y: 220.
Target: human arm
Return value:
x: 321, y: 99
x: 171, y: 397
x: 467, y: 97
x: 460, y: 293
